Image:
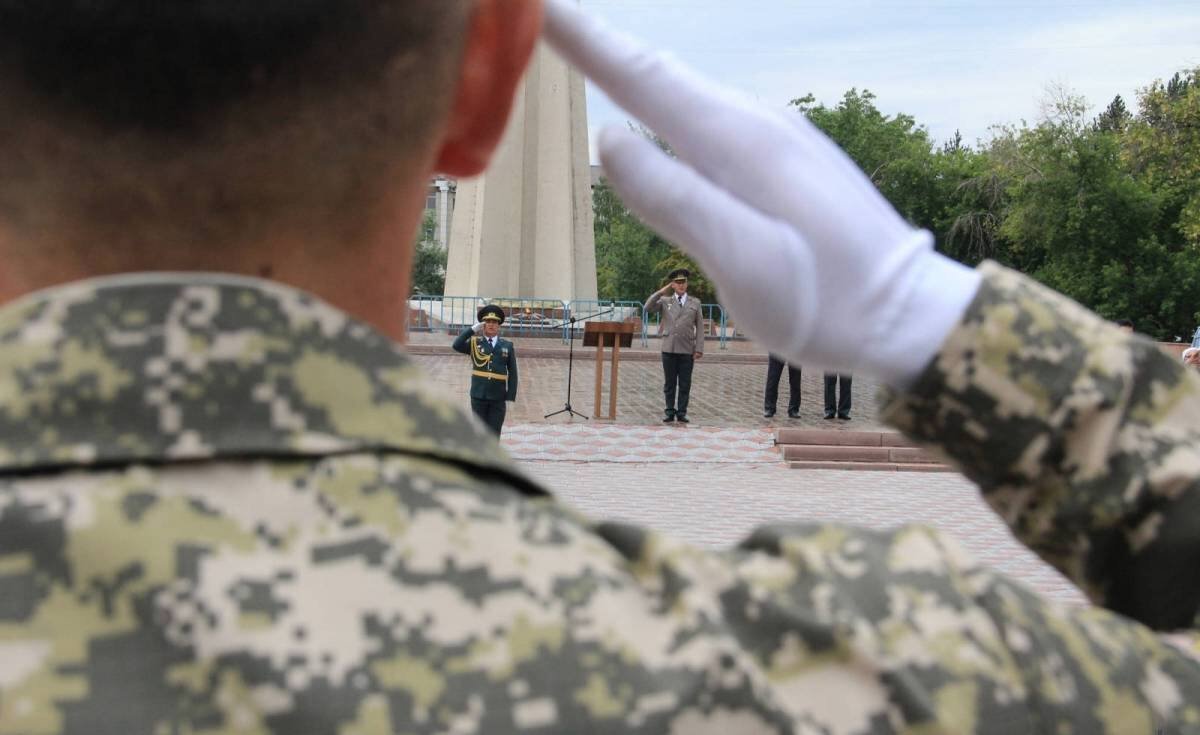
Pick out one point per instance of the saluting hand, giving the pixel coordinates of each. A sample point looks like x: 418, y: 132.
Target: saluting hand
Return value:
x: 808, y: 255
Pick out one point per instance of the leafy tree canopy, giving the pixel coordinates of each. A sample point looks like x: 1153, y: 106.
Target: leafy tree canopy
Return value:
x: 1104, y: 208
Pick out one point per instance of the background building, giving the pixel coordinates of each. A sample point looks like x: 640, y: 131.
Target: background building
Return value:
x: 439, y: 201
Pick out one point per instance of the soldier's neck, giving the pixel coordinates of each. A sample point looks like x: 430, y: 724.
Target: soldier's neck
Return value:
x: 369, y: 279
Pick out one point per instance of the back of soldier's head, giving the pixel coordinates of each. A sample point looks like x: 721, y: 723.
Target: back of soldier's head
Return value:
x: 212, y: 118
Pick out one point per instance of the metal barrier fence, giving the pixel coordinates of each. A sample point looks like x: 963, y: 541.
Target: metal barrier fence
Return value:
x: 442, y: 313
x: 545, y: 317
x: 526, y: 316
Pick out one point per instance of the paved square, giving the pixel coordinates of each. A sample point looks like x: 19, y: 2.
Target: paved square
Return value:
x: 715, y: 480
x: 717, y: 505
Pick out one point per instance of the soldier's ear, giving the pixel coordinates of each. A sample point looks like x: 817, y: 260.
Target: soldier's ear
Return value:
x: 501, y: 38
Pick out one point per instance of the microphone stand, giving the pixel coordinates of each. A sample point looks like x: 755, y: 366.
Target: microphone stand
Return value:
x: 571, y: 366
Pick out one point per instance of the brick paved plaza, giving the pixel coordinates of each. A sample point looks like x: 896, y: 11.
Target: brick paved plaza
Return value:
x: 717, y: 505
x: 713, y: 481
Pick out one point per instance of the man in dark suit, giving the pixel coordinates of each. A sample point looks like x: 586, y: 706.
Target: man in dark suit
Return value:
x: 837, y: 395
x: 493, y: 367
x: 771, y: 394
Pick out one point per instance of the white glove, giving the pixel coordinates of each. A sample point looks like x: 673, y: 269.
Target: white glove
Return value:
x: 808, y: 256
x: 477, y: 328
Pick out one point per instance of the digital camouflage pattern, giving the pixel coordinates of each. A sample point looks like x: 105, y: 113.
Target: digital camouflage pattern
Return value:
x: 228, y: 508
x: 1085, y: 439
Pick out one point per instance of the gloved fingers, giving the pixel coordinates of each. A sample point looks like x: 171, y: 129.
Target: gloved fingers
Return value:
x: 638, y: 78
x: 762, y: 267
x: 829, y: 157
x: 784, y: 167
x: 715, y: 129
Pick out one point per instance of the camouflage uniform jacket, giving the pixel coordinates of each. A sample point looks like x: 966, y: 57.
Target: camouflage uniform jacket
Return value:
x: 227, y: 508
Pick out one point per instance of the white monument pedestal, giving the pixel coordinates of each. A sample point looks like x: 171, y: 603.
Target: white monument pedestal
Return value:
x: 524, y: 228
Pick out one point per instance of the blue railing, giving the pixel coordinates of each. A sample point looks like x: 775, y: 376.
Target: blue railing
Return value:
x: 526, y: 316
x: 442, y: 313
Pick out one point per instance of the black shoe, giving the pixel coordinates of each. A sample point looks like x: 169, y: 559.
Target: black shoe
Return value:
x: 793, y: 413
x: 829, y: 415
x: 668, y: 418
x: 844, y: 416
x: 768, y: 413
x: 682, y: 418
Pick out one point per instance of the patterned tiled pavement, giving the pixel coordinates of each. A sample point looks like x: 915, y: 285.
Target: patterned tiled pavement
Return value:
x: 640, y: 444
x: 716, y: 505
x: 713, y: 481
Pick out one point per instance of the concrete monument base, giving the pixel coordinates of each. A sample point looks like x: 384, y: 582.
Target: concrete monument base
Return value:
x: 524, y: 228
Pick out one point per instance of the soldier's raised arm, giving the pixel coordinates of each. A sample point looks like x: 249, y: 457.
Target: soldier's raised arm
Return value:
x: 462, y: 343
x: 1084, y: 438
x: 654, y: 303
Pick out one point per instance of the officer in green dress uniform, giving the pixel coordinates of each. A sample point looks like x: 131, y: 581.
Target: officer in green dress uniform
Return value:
x: 493, y: 367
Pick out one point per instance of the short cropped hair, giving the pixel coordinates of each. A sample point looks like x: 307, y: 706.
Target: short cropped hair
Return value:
x: 214, y: 116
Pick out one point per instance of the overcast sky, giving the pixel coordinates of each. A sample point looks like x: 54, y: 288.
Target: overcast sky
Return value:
x: 952, y: 64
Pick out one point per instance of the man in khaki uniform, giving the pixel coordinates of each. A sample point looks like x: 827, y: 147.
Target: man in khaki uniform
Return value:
x: 682, y: 333
x: 231, y: 505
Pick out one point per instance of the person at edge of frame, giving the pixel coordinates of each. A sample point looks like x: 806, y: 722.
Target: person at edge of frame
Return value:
x: 493, y: 367
x: 682, y: 334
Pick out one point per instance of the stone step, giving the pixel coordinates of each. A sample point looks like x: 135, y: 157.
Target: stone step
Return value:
x: 834, y: 437
x: 831, y: 449
x: 835, y: 453
x: 870, y: 466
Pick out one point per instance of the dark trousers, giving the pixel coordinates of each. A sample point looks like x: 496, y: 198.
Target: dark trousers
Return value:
x: 841, y: 405
x: 492, y: 413
x: 774, y: 373
x: 677, y: 373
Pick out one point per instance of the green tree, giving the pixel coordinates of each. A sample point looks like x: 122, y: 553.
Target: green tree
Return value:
x: 429, y: 260
x: 1106, y: 210
x: 1162, y: 147
x: 627, y: 252
x: 946, y: 191
x: 894, y: 152
x: 632, y: 261
x: 1076, y: 219
x: 972, y: 199
x: 1115, y: 118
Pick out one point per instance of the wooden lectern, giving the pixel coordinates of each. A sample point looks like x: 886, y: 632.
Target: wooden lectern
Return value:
x: 600, y: 335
